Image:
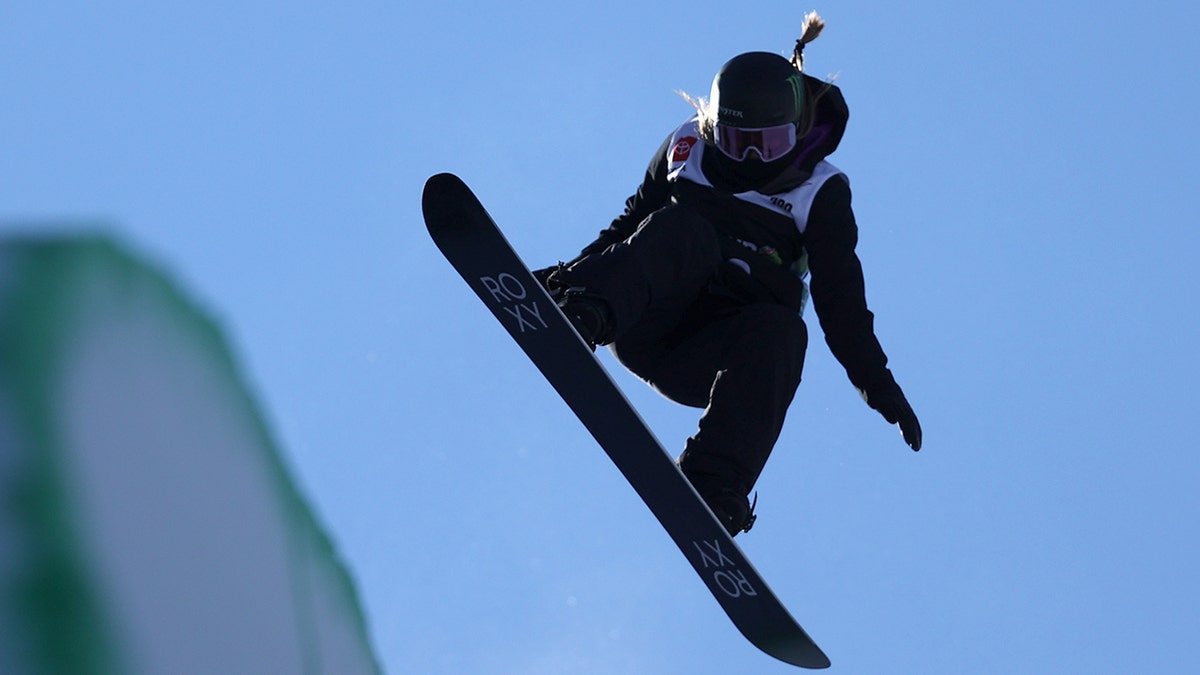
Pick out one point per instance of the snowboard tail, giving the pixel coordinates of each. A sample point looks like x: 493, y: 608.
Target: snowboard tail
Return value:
x: 478, y: 250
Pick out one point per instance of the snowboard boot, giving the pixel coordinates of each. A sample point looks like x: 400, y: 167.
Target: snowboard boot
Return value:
x: 733, y: 510
x: 589, y: 315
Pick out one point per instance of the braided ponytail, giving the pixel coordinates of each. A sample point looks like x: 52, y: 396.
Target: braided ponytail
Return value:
x: 812, y: 27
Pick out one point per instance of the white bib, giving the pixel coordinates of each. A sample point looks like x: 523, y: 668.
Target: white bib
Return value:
x: 684, y: 162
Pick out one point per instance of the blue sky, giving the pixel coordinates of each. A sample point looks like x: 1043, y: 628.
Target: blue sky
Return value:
x: 1025, y: 185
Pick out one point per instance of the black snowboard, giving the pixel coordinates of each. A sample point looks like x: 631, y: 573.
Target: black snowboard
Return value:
x: 470, y: 240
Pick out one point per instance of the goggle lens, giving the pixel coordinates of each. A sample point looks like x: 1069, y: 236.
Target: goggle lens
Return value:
x: 770, y: 143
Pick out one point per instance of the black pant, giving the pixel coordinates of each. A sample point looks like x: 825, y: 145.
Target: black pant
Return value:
x: 698, y: 342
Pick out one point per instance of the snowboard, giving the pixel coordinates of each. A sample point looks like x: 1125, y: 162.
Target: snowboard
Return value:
x: 473, y: 244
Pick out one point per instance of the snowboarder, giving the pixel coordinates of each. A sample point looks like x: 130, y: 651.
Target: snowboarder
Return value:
x: 698, y: 287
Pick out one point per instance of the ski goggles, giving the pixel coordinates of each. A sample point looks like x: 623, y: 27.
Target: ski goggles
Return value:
x: 770, y: 143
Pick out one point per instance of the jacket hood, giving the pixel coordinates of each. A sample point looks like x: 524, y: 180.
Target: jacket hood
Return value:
x: 828, y: 124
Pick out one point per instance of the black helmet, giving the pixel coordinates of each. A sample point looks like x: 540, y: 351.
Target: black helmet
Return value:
x: 757, y: 90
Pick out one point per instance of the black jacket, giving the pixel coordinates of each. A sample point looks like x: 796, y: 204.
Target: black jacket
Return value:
x: 830, y: 238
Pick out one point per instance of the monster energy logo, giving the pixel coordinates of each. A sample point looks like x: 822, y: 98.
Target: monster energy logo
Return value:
x: 797, y: 82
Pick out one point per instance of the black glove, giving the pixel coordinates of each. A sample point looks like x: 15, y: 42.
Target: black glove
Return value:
x: 750, y: 276
x: 890, y: 402
x: 550, y: 279
x: 543, y: 275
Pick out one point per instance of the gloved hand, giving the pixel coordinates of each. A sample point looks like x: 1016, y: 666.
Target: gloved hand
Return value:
x: 750, y: 275
x: 889, y: 400
x: 751, y: 278
x: 543, y: 276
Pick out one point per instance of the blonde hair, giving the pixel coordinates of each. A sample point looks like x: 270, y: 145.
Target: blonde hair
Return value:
x: 810, y: 30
